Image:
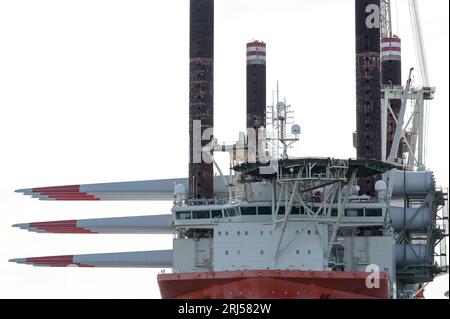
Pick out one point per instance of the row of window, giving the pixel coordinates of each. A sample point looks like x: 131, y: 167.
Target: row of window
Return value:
x: 261, y: 252
x: 361, y: 212
x: 261, y: 232
x: 265, y: 210
x: 245, y: 233
x: 207, y: 214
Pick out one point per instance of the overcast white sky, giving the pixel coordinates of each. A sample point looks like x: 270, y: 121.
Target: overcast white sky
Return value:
x: 97, y: 91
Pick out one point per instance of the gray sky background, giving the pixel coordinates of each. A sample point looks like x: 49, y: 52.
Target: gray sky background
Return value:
x: 97, y: 91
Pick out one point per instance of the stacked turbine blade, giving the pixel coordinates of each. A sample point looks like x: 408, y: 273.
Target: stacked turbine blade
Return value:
x: 141, y: 259
x: 139, y: 190
x: 157, y: 224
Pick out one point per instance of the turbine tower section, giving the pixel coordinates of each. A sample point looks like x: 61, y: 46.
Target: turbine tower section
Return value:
x: 368, y: 86
x: 256, y: 87
x: 201, y: 97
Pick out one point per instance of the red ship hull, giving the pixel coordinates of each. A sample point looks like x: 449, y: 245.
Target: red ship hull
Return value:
x: 271, y: 284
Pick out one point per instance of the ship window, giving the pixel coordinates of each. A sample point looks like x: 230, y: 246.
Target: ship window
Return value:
x: 334, y: 212
x: 261, y: 232
x: 309, y: 232
x: 264, y: 211
x: 309, y: 251
x: 247, y: 211
x: 297, y: 252
x: 226, y: 233
x: 231, y: 212
x: 219, y: 233
x: 238, y: 233
x: 183, y: 215
x: 246, y: 233
x: 238, y: 252
x: 281, y: 210
x: 261, y: 252
x: 316, y: 232
x: 374, y: 212
x: 226, y: 252
x: 216, y: 214
x: 353, y: 212
x: 295, y: 211
x: 201, y: 214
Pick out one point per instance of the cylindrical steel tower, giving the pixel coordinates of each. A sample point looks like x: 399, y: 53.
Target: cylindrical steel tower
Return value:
x: 391, y: 75
x: 256, y: 89
x: 368, y: 86
x: 256, y: 85
x: 201, y: 93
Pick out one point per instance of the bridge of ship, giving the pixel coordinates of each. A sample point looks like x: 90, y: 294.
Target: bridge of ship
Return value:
x: 368, y: 211
x: 293, y: 183
x: 303, y: 175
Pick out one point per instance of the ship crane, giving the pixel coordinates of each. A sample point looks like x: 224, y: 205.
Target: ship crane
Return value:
x: 408, y: 108
x: 408, y: 144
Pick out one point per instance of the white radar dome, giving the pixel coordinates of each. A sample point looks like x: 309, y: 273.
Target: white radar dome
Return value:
x: 180, y: 189
x: 380, y: 186
x: 281, y: 107
x: 296, y: 130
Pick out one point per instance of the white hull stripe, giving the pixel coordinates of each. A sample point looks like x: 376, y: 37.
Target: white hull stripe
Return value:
x: 259, y: 49
x: 387, y: 53
x: 256, y: 57
x: 391, y: 44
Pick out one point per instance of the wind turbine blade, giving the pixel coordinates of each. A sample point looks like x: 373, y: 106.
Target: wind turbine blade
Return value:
x: 155, y: 224
x: 140, y: 259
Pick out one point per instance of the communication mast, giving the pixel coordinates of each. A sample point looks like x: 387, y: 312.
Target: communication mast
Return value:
x: 280, y: 116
